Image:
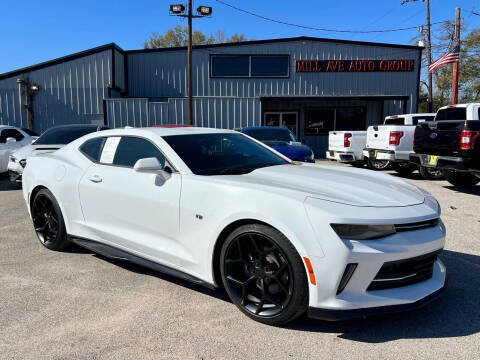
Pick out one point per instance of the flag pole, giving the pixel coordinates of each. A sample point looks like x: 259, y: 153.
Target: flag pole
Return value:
x: 455, y: 65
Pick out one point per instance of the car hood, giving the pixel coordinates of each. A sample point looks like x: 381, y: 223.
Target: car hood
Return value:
x: 32, y: 150
x: 350, y: 186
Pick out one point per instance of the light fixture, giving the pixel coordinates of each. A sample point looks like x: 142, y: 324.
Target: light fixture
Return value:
x: 34, y: 87
x: 204, y: 10
x: 177, y: 9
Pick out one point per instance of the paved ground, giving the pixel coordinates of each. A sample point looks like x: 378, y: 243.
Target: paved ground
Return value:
x: 75, y: 304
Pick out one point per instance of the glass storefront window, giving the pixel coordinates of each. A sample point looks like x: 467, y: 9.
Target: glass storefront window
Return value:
x: 319, y: 121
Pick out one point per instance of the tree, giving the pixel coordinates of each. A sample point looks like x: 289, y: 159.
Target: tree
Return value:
x: 178, y: 36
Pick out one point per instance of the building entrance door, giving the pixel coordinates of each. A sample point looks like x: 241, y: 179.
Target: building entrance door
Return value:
x: 283, y: 119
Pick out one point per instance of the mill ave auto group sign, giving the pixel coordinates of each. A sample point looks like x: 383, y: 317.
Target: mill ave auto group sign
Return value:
x: 355, y: 65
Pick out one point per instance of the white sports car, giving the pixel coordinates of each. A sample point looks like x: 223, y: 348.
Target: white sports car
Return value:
x: 219, y: 208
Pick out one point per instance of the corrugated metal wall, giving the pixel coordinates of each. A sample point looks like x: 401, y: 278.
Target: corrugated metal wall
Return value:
x: 154, y: 74
x: 70, y: 92
x: 225, y: 112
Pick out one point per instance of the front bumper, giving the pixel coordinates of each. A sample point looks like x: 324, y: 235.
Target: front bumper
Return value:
x: 343, y: 156
x: 15, y: 171
x: 446, y: 162
x: 337, y: 315
x: 377, y: 154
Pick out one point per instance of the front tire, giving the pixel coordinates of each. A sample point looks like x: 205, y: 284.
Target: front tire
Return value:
x: 459, y: 178
x: 48, y: 221
x: 264, y: 275
x: 404, y: 168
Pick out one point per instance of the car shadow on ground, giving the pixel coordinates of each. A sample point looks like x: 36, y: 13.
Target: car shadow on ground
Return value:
x: 474, y: 190
x: 6, y: 185
x: 139, y: 269
x: 456, y: 313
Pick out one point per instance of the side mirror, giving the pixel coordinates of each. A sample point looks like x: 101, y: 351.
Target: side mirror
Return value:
x: 151, y: 165
x: 148, y: 165
x: 10, y: 140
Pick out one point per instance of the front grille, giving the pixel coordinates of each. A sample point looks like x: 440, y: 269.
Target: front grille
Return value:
x: 404, y: 272
x: 416, y: 225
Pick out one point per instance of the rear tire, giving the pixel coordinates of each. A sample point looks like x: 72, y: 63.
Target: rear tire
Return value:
x: 459, y: 178
x: 403, y: 168
x: 429, y: 173
x: 48, y: 221
x: 264, y: 275
x: 378, y: 164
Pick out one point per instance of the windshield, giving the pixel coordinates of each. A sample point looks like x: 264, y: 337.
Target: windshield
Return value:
x: 265, y: 135
x: 222, y: 154
x: 455, y: 113
x: 64, y: 134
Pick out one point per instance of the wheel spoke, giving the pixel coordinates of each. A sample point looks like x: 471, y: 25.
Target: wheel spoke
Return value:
x: 235, y: 281
x: 255, y: 245
x: 40, y: 229
x: 279, y: 282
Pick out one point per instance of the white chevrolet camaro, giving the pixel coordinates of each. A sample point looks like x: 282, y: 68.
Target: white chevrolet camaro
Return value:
x: 219, y: 208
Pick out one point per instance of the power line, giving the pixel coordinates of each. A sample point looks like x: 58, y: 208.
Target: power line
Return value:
x: 316, y: 28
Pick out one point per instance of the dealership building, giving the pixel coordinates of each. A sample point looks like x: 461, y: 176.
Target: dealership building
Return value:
x: 310, y: 85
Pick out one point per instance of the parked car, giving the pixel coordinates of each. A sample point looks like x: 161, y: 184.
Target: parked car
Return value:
x: 219, y: 208
x: 51, y: 140
x: 11, y: 138
x: 347, y: 146
x: 393, y: 142
x: 282, y: 140
x: 451, y: 143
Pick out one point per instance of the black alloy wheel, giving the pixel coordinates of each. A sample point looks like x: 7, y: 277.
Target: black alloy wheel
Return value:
x: 48, y: 221
x: 260, y: 277
x: 461, y: 178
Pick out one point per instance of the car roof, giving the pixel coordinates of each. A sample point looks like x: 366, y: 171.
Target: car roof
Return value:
x: 415, y: 114
x: 161, y: 131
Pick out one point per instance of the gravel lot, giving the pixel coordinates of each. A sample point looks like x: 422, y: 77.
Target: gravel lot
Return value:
x: 75, y: 304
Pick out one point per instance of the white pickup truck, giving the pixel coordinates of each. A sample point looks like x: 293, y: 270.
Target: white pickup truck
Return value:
x: 347, y: 146
x: 393, y: 141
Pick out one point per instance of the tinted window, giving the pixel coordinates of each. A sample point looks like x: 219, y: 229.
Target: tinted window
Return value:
x: 93, y: 148
x: 283, y: 135
x: 10, y: 133
x: 29, y: 132
x: 452, y: 114
x: 132, y: 149
x: 395, y: 121
x: 222, y: 154
x: 234, y: 66
x: 420, y: 119
x: 64, y: 134
x: 269, y: 66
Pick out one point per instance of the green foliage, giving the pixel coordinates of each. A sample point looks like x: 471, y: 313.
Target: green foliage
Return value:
x: 178, y: 36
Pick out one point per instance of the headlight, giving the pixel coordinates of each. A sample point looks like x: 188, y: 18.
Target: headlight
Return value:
x: 23, y: 162
x: 363, y: 232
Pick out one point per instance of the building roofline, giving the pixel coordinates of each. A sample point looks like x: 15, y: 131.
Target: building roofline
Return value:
x: 289, y: 39
x: 113, y: 46
x: 110, y: 46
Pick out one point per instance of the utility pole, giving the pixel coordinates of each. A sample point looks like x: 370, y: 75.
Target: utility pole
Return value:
x: 429, y: 52
x: 202, y: 11
x: 456, y: 38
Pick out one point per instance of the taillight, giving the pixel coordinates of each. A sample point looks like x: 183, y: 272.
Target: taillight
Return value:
x: 346, y: 139
x: 467, y: 139
x: 395, y: 137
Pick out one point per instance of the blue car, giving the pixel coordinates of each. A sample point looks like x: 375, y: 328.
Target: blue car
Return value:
x: 282, y: 140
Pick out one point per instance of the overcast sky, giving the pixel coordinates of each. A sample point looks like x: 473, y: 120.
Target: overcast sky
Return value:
x: 35, y: 31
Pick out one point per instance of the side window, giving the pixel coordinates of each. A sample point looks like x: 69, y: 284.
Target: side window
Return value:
x: 93, y: 148
x: 7, y: 133
x: 131, y: 149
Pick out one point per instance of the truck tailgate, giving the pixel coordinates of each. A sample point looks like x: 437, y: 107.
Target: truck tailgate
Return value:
x: 439, y: 137
x: 335, y: 140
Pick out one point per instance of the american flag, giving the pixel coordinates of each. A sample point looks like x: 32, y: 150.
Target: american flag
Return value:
x: 451, y: 56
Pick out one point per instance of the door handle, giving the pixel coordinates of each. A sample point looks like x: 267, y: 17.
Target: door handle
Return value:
x: 95, y: 178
